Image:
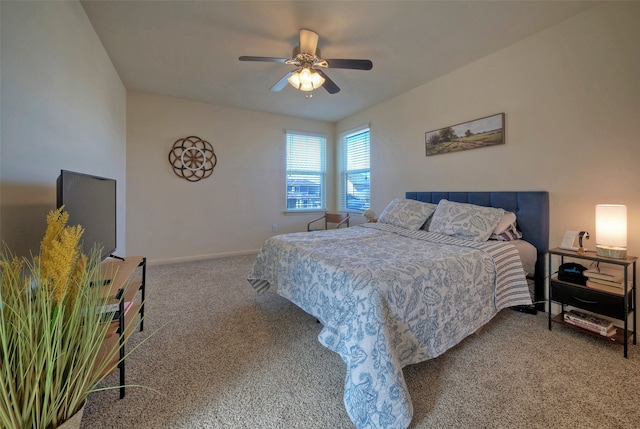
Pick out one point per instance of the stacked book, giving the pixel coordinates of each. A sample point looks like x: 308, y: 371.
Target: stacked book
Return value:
x: 590, y: 322
x: 112, y: 311
x: 606, y: 279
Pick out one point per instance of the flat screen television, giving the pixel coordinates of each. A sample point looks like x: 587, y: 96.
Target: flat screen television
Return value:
x: 91, y: 203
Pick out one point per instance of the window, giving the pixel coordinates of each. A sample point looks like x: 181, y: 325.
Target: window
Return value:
x: 354, y: 170
x: 305, y: 171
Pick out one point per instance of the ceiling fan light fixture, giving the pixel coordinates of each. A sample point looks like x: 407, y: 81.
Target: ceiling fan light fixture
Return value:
x: 308, y: 60
x: 306, y: 79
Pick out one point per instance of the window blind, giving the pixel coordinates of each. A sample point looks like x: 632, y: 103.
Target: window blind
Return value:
x: 306, y: 158
x: 355, y: 171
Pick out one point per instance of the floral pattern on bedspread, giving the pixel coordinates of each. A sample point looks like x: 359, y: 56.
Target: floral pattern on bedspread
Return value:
x: 387, y: 298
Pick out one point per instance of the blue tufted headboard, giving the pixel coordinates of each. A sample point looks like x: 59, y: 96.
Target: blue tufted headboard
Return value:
x: 531, y: 209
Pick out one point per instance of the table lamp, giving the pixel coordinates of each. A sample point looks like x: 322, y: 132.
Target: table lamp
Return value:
x: 611, y: 230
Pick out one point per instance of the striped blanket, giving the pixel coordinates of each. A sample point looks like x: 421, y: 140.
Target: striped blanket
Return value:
x: 387, y: 298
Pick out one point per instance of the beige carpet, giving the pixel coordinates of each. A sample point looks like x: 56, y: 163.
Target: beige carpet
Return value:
x: 228, y: 358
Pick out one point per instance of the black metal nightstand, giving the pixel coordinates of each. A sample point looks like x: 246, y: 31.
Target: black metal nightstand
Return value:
x: 614, y: 305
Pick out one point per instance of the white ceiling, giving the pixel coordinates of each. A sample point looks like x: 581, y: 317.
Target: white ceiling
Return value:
x: 190, y: 49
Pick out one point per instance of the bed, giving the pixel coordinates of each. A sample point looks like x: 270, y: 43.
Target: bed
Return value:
x: 409, y: 287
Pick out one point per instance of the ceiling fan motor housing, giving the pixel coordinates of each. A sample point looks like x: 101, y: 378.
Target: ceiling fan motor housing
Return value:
x: 305, y: 57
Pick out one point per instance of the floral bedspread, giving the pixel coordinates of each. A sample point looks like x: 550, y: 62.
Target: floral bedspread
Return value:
x: 387, y: 298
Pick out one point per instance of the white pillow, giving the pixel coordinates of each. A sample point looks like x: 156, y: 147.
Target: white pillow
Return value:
x: 409, y: 214
x: 466, y: 221
x: 506, y: 223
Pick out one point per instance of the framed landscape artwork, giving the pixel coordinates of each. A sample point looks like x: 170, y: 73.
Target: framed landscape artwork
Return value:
x: 487, y: 131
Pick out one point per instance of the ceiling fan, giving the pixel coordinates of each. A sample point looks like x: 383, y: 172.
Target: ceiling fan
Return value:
x: 309, y: 74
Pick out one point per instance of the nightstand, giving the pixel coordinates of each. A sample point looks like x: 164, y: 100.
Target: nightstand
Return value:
x: 614, y: 305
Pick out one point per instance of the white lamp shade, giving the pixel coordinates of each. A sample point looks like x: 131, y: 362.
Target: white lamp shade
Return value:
x: 306, y: 79
x: 611, y: 225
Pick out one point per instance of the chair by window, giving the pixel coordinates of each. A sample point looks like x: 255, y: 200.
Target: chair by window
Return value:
x: 339, y: 219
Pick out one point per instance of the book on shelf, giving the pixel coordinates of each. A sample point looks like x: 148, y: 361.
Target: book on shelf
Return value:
x: 112, y: 311
x: 606, y: 288
x: 590, y: 322
x: 606, y: 333
x: 619, y: 285
x: 607, y: 274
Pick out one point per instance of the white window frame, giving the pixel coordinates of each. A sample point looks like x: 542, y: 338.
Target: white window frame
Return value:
x: 320, y: 172
x: 343, y: 170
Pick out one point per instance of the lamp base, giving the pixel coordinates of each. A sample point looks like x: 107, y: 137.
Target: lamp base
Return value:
x: 611, y: 252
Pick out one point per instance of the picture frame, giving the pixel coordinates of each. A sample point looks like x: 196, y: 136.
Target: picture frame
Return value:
x: 483, y: 132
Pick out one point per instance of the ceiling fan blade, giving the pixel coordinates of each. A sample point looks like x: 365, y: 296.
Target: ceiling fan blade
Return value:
x: 264, y: 59
x: 349, y: 64
x: 328, y: 84
x: 308, y: 41
x: 282, y: 83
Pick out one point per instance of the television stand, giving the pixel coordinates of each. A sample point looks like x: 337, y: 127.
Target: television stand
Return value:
x: 121, y: 288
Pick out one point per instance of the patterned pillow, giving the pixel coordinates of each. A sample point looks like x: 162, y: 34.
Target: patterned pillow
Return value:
x: 511, y: 233
x: 466, y: 221
x: 409, y: 214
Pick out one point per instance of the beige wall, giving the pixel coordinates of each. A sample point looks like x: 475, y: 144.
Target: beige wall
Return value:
x: 171, y: 219
x: 571, y: 95
x: 63, y: 107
